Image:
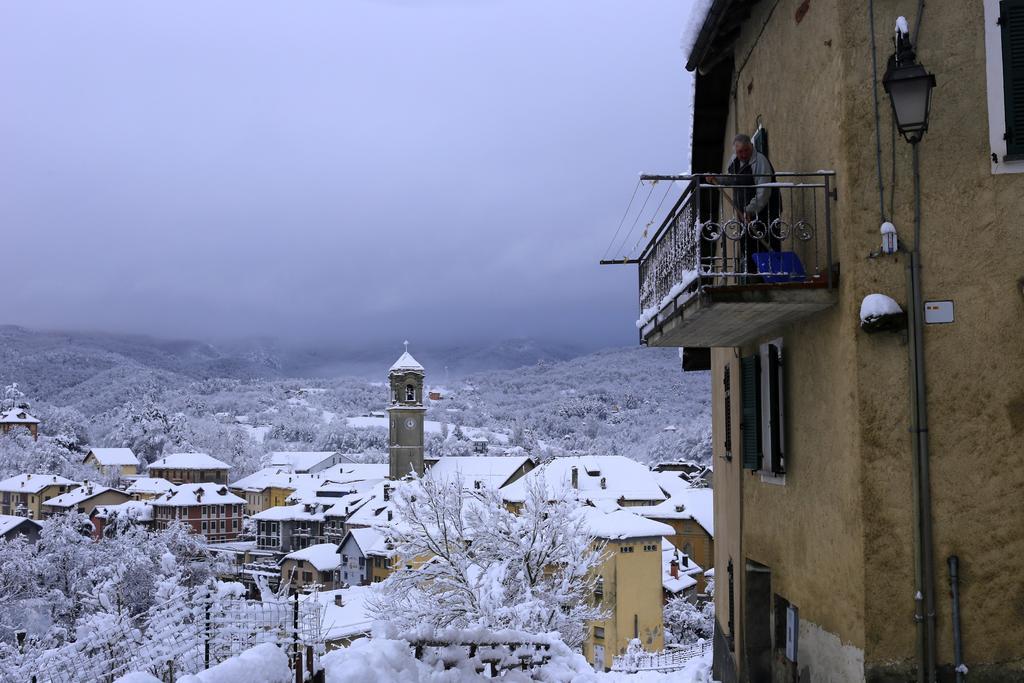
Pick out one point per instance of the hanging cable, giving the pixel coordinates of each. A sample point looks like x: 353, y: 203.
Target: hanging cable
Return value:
x: 917, y: 22
x: 637, y: 219
x: 878, y: 121
x: 622, y: 221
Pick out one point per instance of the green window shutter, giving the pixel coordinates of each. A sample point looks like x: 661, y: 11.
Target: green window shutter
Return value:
x: 727, y: 386
x: 750, y: 367
x: 1011, y: 21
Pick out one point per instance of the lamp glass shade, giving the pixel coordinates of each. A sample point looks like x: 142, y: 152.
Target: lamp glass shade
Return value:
x: 910, y: 89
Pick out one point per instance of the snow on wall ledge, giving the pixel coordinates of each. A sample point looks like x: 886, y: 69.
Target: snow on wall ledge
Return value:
x: 876, y: 305
x: 266, y: 663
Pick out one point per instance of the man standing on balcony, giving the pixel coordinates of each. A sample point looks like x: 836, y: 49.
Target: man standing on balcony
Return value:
x: 747, y: 168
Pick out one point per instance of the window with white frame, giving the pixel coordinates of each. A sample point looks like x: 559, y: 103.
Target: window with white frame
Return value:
x: 1004, y: 76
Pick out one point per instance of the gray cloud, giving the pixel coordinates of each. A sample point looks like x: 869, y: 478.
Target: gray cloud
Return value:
x: 323, y: 170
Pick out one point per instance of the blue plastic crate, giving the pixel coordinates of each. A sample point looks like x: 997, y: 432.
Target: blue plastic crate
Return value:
x: 779, y: 266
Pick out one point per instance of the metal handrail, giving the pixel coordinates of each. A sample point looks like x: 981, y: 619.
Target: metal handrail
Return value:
x: 699, y: 242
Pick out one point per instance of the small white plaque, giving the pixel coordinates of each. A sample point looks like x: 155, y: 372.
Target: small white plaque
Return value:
x: 938, y: 312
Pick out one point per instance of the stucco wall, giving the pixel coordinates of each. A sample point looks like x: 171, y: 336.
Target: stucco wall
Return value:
x: 838, y: 535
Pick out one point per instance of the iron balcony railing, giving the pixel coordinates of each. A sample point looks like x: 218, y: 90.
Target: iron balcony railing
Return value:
x: 708, y: 239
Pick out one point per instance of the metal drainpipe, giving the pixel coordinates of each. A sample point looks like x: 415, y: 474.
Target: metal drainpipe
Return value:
x: 954, y: 590
x: 920, y: 433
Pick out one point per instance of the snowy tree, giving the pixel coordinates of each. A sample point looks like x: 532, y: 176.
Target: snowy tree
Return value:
x: 466, y: 561
x: 687, y: 622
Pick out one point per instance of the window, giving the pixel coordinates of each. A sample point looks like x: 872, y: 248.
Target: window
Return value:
x: 1004, y: 70
x: 410, y: 392
x: 599, y: 632
x: 727, y: 410
x: 732, y: 603
x: 599, y: 588
x: 649, y: 548
x: 763, y: 413
x: 307, y: 577
x: 204, y: 525
x: 772, y: 422
x: 234, y: 524
x: 625, y: 548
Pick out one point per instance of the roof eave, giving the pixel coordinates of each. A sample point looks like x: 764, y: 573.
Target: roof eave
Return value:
x: 708, y: 31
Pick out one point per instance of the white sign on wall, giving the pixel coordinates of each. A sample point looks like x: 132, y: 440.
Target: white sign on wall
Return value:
x: 792, y: 632
x: 938, y: 312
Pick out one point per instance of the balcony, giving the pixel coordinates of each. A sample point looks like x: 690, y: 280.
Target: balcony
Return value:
x: 712, y: 276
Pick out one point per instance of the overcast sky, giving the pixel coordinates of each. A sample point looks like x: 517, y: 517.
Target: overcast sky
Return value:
x: 351, y: 170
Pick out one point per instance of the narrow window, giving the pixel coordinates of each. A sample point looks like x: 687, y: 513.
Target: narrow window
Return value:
x: 410, y: 392
x: 731, y: 602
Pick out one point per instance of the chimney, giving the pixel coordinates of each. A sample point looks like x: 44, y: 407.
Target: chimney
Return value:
x: 604, y: 483
x: 28, y: 476
x: 387, y: 492
x: 338, y: 600
x: 389, y: 515
x: 575, y: 477
x: 673, y: 568
x: 686, y: 560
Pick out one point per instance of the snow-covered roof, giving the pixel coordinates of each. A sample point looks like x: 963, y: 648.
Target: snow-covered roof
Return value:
x: 684, y: 502
x: 623, y: 478
x: 9, y: 522
x: 406, y: 363
x: 33, y: 483
x: 687, y: 568
x: 300, y: 461
x: 323, y: 556
x: 138, y: 510
x: 186, y: 495
x: 311, y: 512
x: 491, y: 471
x: 369, y: 540
x: 346, y: 620
x: 189, y: 461
x: 150, y: 485
x: 375, y: 509
x: 79, y: 495
x: 114, y: 456
x: 620, y: 524
x: 18, y: 416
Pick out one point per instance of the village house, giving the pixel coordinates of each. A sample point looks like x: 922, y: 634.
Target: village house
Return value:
x: 16, y: 418
x: 148, y: 488
x: 190, y: 468
x: 209, y: 508
x: 482, y: 472
x: 315, y: 566
x: 862, y: 333
x: 345, y: 617
x: 355, y: 564
x: 132, y: 512
x: 288, y: 528
x: 23, y: 495
x: 629, y: 586
x: 307, y: 462
x: 690, y: 513
x: 113, y: 461
x: 680, y: 575
x: 13, y: 526
x: 83, y: 499
x: 603, y: 480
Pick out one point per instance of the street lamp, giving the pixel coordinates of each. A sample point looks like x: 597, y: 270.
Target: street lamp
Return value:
x: 909, y: 86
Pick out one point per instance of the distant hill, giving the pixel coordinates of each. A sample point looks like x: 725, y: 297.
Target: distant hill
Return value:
x: 48, y: 364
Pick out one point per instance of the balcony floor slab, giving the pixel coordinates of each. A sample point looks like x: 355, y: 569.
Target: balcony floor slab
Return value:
x: 734, y: 315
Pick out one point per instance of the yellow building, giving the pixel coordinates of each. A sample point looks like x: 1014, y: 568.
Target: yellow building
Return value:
x: 629, y: 586
x: 84, y: 499
x: 24, y: 494
x: 113, y: 461
x: 866, y: 456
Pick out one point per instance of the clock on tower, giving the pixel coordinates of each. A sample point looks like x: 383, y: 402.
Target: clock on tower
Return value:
x: 405, y: 424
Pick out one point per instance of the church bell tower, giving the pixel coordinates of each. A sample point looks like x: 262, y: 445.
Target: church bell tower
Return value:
x: 405, y: 416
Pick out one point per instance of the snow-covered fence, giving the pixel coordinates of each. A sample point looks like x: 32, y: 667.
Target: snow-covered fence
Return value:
x: 671, y: 659
x: 488, y: 652
x: 184, y: 635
